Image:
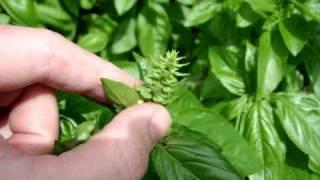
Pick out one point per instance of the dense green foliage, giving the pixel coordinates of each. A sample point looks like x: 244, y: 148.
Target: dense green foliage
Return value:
x: 250, y: 106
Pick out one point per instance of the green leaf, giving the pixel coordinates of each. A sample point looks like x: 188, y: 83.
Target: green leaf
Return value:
x: 295, y: 32
x: 161, y: 1
x: 230, y: 109
x: 294, y: 173
x: 153, y: 30
x: 94, y: 41
x: 222, y: 27
x: 75, y: 110
x: 224, y: 65
x: 151, y: 173
x: 84, y: 130
x: 119, y: 93
x: 22, y: 11
x: 144, y: 63
x: 81, y: 109
x: 312, y: 63
x: 101, y: 21
x: 198, y: 72
x: 67, y: 128
x: 125, y: 39
x: 130, y: 67
x: 310, y: 9
x: 294, y: 81
x: 246, y: 16
x: 99, y: 32
x: 250, y: 57
x: 122, y: 6
x: 53, y: 14
x: 233, y: 147
x: 233, y: 5
x: 182, y: 99
x: 187, y: 2
x: 299, y: 115
x: 62, y: 146
x: 71, y: 6
x: 202, y: 12
x: 262, y: 6
x: 212, y: 88
x: 87, y: 4
x: 78, y: 134
x: 188, y: 155
x: 272, y: 61
x: 257, y: 125
x: 313, y: 7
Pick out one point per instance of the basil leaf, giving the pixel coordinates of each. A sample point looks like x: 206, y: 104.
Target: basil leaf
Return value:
x: 272, y: 61
x: 313, y: 7
x: 309, y: 8
x: 250, y: 57
x: 299, y: 115
x: 67, y: 128
x: 223, y: 28
x: 125, y: 39
x: 188, y: 2
x: 202, y: 12
x: 182, y: 99
x: 81, y: 109
x: 143, y: 63
x: 246, y: 16
x: 293, y: 81
x: 188, y: 155
x: 298, y: 173
x: 84, y: 130
x: 233, y: 147
x: 79, y: 119
x: 122, y: 6
x: 257, y: 125
x: 119, y: 93
x: 71, y: 6
x: 153, y: 30
x: 262, y: 6
x: 130, y: 67
x: 295, y: 32
x: 53, y: 14
x: 80, y: 134
x: 87, y: 4
x: 95, y: 40
x: 22, y: 11
x: 312, y: 64
x: 224, y: 65
x: 230, y: 109
x: 212, y: 88
x: 98, y: 34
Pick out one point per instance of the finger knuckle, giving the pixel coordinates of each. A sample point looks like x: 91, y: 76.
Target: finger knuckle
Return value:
x: 47, y: 47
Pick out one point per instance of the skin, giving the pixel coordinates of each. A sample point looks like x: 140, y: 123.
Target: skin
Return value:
x: 35, y: 62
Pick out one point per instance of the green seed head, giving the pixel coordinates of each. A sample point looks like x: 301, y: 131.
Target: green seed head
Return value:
x: 160, y: 79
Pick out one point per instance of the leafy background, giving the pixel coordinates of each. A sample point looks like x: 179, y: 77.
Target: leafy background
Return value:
x: 250, y: 107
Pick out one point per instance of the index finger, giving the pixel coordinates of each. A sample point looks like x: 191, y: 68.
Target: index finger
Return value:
x: 30, y: 56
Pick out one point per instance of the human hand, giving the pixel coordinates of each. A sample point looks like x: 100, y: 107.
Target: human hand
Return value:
x: 33, y: 63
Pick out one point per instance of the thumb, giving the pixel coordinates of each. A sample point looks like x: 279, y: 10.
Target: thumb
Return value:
x: 121, y: 149
x: 146, y: 123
